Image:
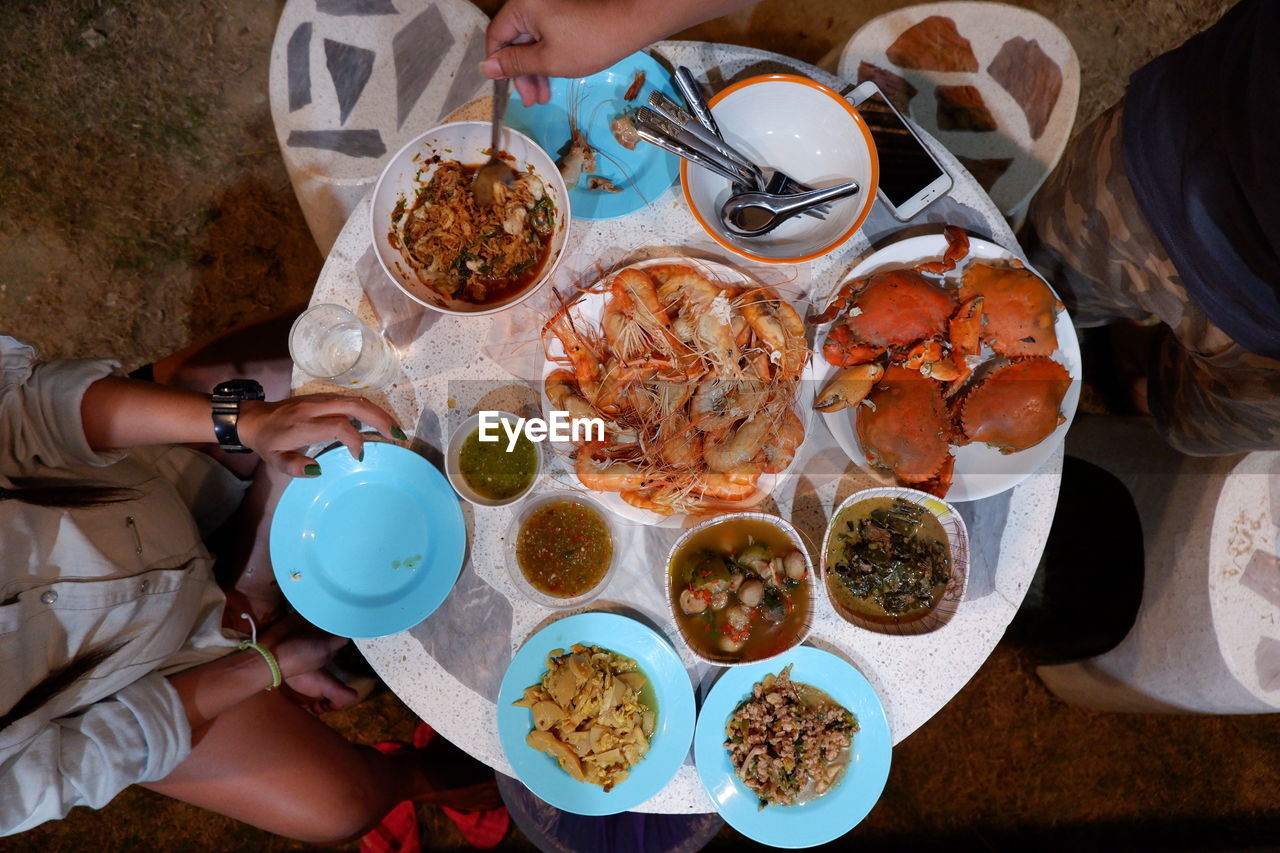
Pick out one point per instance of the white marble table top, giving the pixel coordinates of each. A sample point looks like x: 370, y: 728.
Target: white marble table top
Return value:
x: 448, y: 668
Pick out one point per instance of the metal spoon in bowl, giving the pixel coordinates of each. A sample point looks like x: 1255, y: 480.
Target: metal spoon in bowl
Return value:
x: 496, y: 171
x: 756, y: 214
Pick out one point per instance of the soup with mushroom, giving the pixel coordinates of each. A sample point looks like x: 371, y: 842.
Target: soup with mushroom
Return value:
x: 740, y: 590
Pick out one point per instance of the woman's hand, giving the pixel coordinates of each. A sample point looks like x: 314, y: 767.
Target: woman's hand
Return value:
x: 302, y: 650
x: 120, y: 413
x: 574, y: 38
x: 299, y: 646
x: 276, y: 431
x: 556, y: 38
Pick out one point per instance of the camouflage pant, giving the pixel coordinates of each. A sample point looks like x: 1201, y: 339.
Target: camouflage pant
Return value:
x: 1209, y: 395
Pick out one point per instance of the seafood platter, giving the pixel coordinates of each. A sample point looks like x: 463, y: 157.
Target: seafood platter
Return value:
x: 948, y: 365
x: 940, y: 364
x: 680, y: 358
x: 697, y: 373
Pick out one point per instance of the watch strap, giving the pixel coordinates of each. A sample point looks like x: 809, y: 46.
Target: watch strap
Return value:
x: 225, y: 410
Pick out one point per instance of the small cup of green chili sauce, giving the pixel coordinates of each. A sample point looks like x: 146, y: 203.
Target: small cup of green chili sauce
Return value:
x: 491, y: 473
x: 561, y: 549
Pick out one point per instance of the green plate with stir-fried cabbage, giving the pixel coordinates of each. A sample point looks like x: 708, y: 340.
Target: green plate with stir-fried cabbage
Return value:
x: 577, y: 126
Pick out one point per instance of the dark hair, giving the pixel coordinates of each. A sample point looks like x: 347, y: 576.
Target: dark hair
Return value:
x: 49, y: 493
x: 55, y: 682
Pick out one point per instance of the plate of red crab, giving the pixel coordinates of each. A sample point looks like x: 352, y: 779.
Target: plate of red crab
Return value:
x: 947, y: 365
x: 695, y: 370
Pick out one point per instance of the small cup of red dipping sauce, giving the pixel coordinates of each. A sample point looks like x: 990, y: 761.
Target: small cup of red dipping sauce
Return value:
x: 562, y: 549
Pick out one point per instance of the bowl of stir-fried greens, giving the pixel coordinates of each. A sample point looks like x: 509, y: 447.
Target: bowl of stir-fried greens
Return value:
x: 451, y: 254
x: 895, y: 560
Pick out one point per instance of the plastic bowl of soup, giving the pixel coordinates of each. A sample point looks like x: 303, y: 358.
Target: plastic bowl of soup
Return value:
x: 491, y: 473
x: 740, y: 587
x: 895, y: 560
x: 562, y: 549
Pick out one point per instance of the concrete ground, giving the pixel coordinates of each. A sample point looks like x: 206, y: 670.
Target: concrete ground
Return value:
x: 144, y: 205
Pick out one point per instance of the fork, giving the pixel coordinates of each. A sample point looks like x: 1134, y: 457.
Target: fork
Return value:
x: 779, y: 183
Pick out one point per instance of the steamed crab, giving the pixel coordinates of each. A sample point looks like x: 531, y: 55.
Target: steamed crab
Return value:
x: 907, y: 429
x: 1015, y: 406
x: 906, y: 318
x: 907, y: 344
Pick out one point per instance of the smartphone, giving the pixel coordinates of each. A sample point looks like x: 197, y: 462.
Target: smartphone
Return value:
x: 910, y: 178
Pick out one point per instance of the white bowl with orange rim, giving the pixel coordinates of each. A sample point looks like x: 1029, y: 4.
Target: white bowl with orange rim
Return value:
x: 803, y: 128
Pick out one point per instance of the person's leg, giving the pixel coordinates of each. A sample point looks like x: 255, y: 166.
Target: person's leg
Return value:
x: 243, y: 549
x: 1087, y: 234
x: 256, y: 350
x: 271, y: 764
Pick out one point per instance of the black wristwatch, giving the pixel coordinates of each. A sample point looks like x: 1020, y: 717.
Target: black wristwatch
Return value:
x: 225, y: 400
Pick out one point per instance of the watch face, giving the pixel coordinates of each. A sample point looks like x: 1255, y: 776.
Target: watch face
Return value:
x: 239, y: 389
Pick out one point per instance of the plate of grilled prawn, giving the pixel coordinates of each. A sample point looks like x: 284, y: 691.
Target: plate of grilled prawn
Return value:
x: 948, y: 366
x: 695, y: 370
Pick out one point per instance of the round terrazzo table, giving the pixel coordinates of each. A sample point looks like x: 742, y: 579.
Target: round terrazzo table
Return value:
x: 448, y: 668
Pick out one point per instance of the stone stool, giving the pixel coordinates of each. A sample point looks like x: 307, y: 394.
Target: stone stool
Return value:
x: 353, y: 80
x: 1207, y: 634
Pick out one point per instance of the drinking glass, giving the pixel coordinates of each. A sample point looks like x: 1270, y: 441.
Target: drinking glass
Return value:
x: 329, y: 342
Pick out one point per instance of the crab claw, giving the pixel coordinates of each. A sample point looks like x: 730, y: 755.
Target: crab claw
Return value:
x: 957, y: 248
x: 944, y: 370
x: 848, y: 387
x: 922, y: 354
x: 961, y: 370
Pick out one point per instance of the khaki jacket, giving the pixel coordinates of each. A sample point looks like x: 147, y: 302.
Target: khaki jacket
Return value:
x: 134, y: 575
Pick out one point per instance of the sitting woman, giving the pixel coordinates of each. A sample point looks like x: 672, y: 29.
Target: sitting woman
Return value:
x: 116, y: 666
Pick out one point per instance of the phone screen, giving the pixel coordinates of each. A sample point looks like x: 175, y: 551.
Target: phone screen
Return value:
x: 905, y: 167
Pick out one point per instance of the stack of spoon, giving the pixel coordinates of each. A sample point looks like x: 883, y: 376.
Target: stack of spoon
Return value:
x: 757, y: 203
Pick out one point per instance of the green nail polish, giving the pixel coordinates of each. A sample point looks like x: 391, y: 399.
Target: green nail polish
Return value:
x: 312, y: 470
x: 398, y: 433
x: 360, y: 457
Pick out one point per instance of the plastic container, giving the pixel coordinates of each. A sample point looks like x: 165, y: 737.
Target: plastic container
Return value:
x: 957, y: 538
x: 532, y: 505
x: 791, y: 534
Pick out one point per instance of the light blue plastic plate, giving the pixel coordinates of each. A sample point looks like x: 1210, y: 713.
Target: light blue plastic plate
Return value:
x: 667, y: 748
x: 368, y: 548
x: 643, y: 174
x: 827, y: 817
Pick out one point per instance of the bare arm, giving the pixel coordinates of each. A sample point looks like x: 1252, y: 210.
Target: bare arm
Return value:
x: 211, y: 688
x: 120, y: 413
x: 573, y: 38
